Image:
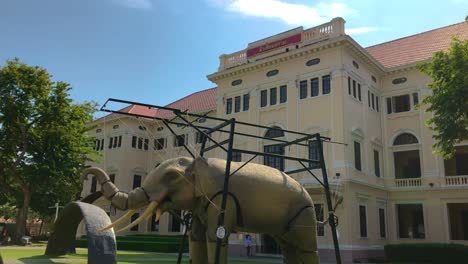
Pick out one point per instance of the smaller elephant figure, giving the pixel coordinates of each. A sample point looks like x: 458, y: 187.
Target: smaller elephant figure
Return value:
x: 261, y: 200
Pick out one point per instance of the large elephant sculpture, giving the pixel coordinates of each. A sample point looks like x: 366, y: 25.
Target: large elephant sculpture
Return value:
x: 261, y: 200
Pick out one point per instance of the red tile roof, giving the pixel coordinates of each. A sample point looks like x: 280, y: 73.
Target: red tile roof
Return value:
x: 417, y: 47
x: 200, y: 101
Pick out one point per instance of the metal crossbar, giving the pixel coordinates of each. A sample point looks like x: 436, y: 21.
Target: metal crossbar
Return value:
x: 233, y: 124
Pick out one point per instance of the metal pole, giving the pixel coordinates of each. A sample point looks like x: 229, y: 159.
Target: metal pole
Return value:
x: 186, y: 220
x: 221, y: 231
x: 331, y: 213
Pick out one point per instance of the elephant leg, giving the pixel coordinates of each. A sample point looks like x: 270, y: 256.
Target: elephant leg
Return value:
x: 290, y: 253
x: 212, y: 226
x: 197, y: 246
x: 302, y: 236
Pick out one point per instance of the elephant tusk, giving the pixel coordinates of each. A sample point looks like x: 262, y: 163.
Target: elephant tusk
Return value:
x: 158, y: 215
x: 148, y: 212
x: 118, y: 221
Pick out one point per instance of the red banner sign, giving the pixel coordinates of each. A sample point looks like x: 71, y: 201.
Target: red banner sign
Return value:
x: 274, y: 45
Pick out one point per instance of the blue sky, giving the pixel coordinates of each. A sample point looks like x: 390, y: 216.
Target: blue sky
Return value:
x: 157, y: 51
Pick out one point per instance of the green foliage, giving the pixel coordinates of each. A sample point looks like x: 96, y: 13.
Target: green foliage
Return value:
x: 43, y: 140
x: 449, y: 99
x: 427, y: 253
x: 150, y: 243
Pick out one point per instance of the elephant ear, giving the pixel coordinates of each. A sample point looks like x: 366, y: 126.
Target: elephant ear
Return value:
x: 198, y: 173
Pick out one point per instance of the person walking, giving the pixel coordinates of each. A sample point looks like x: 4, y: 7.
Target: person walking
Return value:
x: 247, y: 244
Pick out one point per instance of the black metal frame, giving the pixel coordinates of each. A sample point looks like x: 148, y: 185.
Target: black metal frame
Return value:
x: 229, y: 126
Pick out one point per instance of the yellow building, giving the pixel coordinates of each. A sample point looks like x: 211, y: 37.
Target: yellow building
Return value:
x: 393, y: 189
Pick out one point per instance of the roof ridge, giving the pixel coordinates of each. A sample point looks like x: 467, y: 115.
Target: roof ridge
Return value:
x: 185, y: 97
x: 414, y: 35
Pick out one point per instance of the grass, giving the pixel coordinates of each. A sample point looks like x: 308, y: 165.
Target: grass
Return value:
x: 37, y: 253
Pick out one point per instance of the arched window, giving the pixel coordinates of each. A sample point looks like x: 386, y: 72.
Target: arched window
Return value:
x: 274, y: 132
x: 275, y: 162
x: 405, y: 139
x: 407, y: 163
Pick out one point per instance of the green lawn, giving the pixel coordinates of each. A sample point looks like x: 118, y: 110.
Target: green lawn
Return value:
x: 15, y: 253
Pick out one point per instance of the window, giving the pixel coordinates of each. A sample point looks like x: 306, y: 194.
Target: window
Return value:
x: 179, y: 140
x: 102, y: 144
x: 405, y: 139
x: 115, y: 142
x: 111, y: 140
x: 236, y: 156
x: 410, y: 221
x: 273, y: 96
x: 349, y: 85
x: 136, y: 181
x: 146, y: 144
x: 373, y: 101
x: 326, y: 84
x: 246, y: 102
x: 199, y: 138
x: 274, y: 132
x: 359, y: 92
x: 354, y: 88
x: 368, y: 98
x: 159, y: 143
x: 93, y: 185
x: 283, y: 94
x: 314, y: 153
x: 415, y: 99
x: 389, y: 105
x: 263, y: 98
x: 228, y: 106
x: 120, y: 142
x: 140, y: 143
x: 320, y: 215
x: 458, y: 219
x: 97, y: 144
x: 362, y: 221
x: 134, y: 141
x: 314, y: 87
x: 398, y: 104
x: 303, y: 89
x: 376, y: 163
x: 458, y: 164
x: 377, y: 103
x: 382, y: 223
x: 274, y: 162
x: 357, y: 155
x: 135, y: 217
x: 237, y: 104
x: 112, y: 178
x: 407, y: 164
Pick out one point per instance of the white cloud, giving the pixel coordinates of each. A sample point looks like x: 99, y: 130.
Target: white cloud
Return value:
x: 137, y: 4
x: 289, y: 13
x: 360, y: 30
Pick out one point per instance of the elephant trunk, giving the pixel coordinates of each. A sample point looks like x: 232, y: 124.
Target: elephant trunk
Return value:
x: 135, y: 199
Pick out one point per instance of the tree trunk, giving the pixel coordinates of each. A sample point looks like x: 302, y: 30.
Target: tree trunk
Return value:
x: 22, y: 217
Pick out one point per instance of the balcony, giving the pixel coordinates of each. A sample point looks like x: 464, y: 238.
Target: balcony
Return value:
x: 456, y: 180
x: 408, y: 183
x: 281, y: 43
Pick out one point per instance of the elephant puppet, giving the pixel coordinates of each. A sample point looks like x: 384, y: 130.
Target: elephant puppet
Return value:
x: 261, y: 200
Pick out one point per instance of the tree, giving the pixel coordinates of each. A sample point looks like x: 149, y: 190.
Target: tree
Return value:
x: 449, y: 99
x: 43, y: 140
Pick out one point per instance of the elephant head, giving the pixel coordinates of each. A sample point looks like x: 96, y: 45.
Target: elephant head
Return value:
x: 171, y: 185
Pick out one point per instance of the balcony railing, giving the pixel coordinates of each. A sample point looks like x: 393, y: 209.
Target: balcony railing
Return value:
x: 331, y: 29
x: 456, y: 180
x: 411, y: 182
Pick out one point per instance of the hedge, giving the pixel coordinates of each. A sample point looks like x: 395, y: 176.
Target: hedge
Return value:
x: 152, y: 243
x: 428, y: 253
